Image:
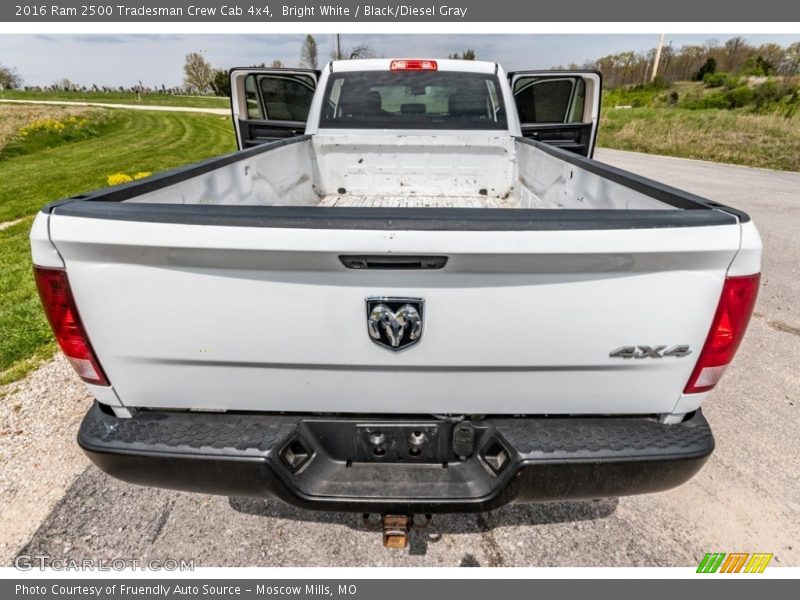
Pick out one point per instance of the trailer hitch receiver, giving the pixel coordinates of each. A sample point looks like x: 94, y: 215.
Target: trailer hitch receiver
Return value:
x: 395, y: 528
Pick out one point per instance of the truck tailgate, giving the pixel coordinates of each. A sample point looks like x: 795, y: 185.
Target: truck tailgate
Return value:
x: 187, y: 315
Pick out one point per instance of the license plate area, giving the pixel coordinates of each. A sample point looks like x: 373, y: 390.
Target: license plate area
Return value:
x: 393, y: 442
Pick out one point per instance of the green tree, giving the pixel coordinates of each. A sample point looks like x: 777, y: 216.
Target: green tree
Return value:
x: 772, y: 53
x: 467, y: 54
x: 221, y: 82
x: 710, y: 66
x: 758, y: 66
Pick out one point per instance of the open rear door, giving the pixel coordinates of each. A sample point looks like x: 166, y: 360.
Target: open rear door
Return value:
x: 270, y: 104
x: 561, y: 108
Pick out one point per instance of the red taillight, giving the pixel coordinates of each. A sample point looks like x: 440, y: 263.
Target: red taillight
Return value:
x: 727, y: 330
x: 413, y: 65
x: 59, y: 306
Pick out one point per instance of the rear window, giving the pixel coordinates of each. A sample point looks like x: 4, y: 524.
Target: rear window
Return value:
x: 413, y: 100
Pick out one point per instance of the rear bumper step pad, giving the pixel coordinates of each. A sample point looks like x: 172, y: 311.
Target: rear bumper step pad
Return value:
x: 327, y: 463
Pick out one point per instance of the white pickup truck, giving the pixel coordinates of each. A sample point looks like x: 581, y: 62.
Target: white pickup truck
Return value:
x: 411, y: 291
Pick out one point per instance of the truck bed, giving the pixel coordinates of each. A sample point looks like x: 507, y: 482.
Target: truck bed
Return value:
x: 403, y: 171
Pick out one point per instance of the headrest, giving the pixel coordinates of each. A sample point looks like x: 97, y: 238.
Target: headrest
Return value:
x: 468, y: 105
x: 374, y: 100
x: 413, y: 108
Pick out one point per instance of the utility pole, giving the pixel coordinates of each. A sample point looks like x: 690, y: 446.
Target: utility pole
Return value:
x: 338, y: 47
x: 657, y: 58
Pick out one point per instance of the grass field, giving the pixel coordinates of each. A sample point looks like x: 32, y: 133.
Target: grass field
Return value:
x: 121, y: 98
x: 132, y: 142
x: 15, y: 117
x: 731, y: 136
x: 750, y: 122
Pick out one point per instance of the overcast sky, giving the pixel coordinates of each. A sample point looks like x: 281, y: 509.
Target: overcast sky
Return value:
x: 115, y: 60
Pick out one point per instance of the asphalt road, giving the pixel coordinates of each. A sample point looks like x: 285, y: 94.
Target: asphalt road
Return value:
x: 747, y: 498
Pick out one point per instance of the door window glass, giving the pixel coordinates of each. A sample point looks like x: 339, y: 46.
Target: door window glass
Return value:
x: 550, y: 100
x: 286, y: 97
x: 251, y: 97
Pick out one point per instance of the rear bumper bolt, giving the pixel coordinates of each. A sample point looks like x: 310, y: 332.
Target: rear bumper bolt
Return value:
x: 417, y: 438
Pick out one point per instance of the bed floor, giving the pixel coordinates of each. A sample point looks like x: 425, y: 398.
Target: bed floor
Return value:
x: 409, y: 201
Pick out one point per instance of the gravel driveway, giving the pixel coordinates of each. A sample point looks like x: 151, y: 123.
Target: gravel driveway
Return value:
x: 747, y: 498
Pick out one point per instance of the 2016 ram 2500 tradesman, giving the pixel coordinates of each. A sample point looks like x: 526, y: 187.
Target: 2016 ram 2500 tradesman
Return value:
x: 411, y: 291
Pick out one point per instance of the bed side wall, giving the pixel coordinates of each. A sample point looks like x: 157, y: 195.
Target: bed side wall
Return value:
x: 546, y: 181
x: 283, y: 175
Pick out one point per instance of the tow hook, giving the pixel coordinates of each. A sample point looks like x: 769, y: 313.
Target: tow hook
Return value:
x: 396, y: 528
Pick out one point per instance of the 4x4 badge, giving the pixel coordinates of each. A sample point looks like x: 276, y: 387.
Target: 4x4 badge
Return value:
x: 650, y: 352
x: 394, y: 323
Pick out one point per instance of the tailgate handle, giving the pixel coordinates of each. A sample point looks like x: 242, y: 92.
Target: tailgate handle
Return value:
x: 393, y: 261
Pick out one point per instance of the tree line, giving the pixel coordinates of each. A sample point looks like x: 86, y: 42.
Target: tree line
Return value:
x: 692, y: 62
x: 736, y: 56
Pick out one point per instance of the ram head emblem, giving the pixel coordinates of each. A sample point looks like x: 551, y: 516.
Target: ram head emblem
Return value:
x: 394, y: 323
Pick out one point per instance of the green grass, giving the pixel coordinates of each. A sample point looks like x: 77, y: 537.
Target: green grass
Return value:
x: 731, y: 136
x: 25, y: 337
x: 43, y: 134
x: 153, y: 99
x: 751, y: 122
x: 133, y: 141
x: 632, y: 96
